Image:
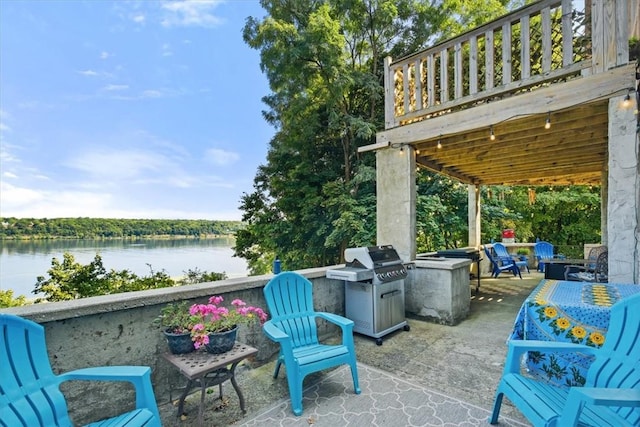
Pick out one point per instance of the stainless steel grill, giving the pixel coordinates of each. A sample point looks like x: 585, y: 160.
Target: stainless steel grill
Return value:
x: 374, y: 290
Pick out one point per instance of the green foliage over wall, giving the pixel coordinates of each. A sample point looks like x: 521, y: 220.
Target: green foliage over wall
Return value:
x: 69, y: 280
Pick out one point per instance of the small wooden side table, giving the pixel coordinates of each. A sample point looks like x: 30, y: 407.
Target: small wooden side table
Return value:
x: 206, y: 370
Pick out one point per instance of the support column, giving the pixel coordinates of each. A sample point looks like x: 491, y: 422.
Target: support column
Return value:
x: 604, y: 200
x: 474, y: 215
x: 623, y: 229
x: 396, y: 200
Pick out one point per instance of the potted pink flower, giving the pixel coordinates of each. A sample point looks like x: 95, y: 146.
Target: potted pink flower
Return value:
x: 216, y: 326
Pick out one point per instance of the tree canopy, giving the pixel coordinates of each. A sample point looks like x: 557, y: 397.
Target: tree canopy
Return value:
x: 315, y: 196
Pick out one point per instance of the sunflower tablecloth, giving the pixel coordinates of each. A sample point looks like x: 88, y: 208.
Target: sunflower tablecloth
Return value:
x: 575, y: 312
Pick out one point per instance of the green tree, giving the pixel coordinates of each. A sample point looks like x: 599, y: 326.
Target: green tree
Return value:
x: 70, y: 280
x: 315, y: 196
x: 567, y: 216
x: 441, y: 213
x: 7, y: 299
x: 193, y: 276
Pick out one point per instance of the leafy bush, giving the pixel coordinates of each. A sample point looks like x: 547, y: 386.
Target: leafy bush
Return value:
x: 70, y: 280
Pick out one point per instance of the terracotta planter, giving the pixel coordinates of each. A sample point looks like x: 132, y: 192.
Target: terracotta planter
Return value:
x: 221, y: 342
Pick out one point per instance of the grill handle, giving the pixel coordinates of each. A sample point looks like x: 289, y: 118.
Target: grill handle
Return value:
x: 390, y: 294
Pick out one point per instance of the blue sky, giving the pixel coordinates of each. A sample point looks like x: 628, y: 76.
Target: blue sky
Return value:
x: 129, y: 109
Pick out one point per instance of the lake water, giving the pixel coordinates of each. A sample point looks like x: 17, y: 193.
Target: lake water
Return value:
x: 21, y: 262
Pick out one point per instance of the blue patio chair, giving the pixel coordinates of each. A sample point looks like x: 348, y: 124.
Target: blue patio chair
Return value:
x: 504, y: 255
x: 543, y: 251
x: 293, y: 325
x: 29, y: 390
x: 499, y: 265
x: 611, y: 393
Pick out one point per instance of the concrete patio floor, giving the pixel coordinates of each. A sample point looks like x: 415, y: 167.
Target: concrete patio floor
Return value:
x: 463, y: 361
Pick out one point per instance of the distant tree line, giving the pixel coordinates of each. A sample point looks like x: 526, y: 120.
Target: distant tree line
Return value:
x: 95, y: 228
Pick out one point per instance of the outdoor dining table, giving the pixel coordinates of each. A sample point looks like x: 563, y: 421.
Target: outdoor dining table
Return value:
x: 566, y: 311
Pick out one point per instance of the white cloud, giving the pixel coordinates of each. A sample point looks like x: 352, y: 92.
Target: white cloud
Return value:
x: 116, y: 87
x: 139, y: 19
x: 10, y: 175
x: 37, y: 105
x: 94, y: 73
x: 152, y: 93
x: 105, y: 55
x: 12, y: 197
x: 29, y: 203
x: 166, y: 50
x: 6, y: 155
x: 118, y: 165
x: 89, y: 73
x: 3, y: 117
x: 221, y: 157
x: 187, y: 13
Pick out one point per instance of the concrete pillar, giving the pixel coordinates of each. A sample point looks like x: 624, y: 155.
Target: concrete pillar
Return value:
x: 474, y: 215
x: 604, y: 214
x: 396, y: 199
x: 623, y: 230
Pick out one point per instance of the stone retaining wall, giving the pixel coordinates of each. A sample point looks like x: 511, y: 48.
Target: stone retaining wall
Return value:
x: 118, y: 330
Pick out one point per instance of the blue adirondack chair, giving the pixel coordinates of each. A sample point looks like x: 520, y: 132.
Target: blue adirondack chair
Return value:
x: 293, y: 325
x: 498, y: 265
x: 504, y: 255
x: 543, y: 251
x: 29, y: 390
x: 611, y: 394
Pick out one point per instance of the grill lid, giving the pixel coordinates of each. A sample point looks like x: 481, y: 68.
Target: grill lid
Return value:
x: 372, y: 257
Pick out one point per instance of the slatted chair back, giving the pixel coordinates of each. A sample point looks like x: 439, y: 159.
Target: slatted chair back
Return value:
x: 290, y: 302
x: 506, y: 258
x: 542, y: 251
x: 601, y: 271
x: 289, y: 298
x: 502, y: 252
x: 498, y: 265
x: 28, y: 388
x: 594, y: 254
x: 617, y: 363
x: 611, y: 393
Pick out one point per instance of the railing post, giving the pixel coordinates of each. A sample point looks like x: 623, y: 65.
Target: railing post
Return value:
x: 473, y: 65
x: 567, y: 33
x: 506, y: 53
x: 597, y: 36
x: 389, y: 95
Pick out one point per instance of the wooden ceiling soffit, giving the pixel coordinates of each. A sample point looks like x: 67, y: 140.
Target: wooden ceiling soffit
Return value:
x: 437, y: 168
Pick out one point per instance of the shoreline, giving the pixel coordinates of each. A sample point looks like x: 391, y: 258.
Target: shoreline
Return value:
x: 150, y: 236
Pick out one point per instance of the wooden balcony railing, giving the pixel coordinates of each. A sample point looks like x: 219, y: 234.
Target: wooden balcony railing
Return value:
x: 546, y: 41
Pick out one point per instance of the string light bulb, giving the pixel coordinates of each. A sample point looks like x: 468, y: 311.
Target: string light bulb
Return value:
x: 547, y: 124
x: 627, y: 100
x: 439, y: 146
x: 492, y: 136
